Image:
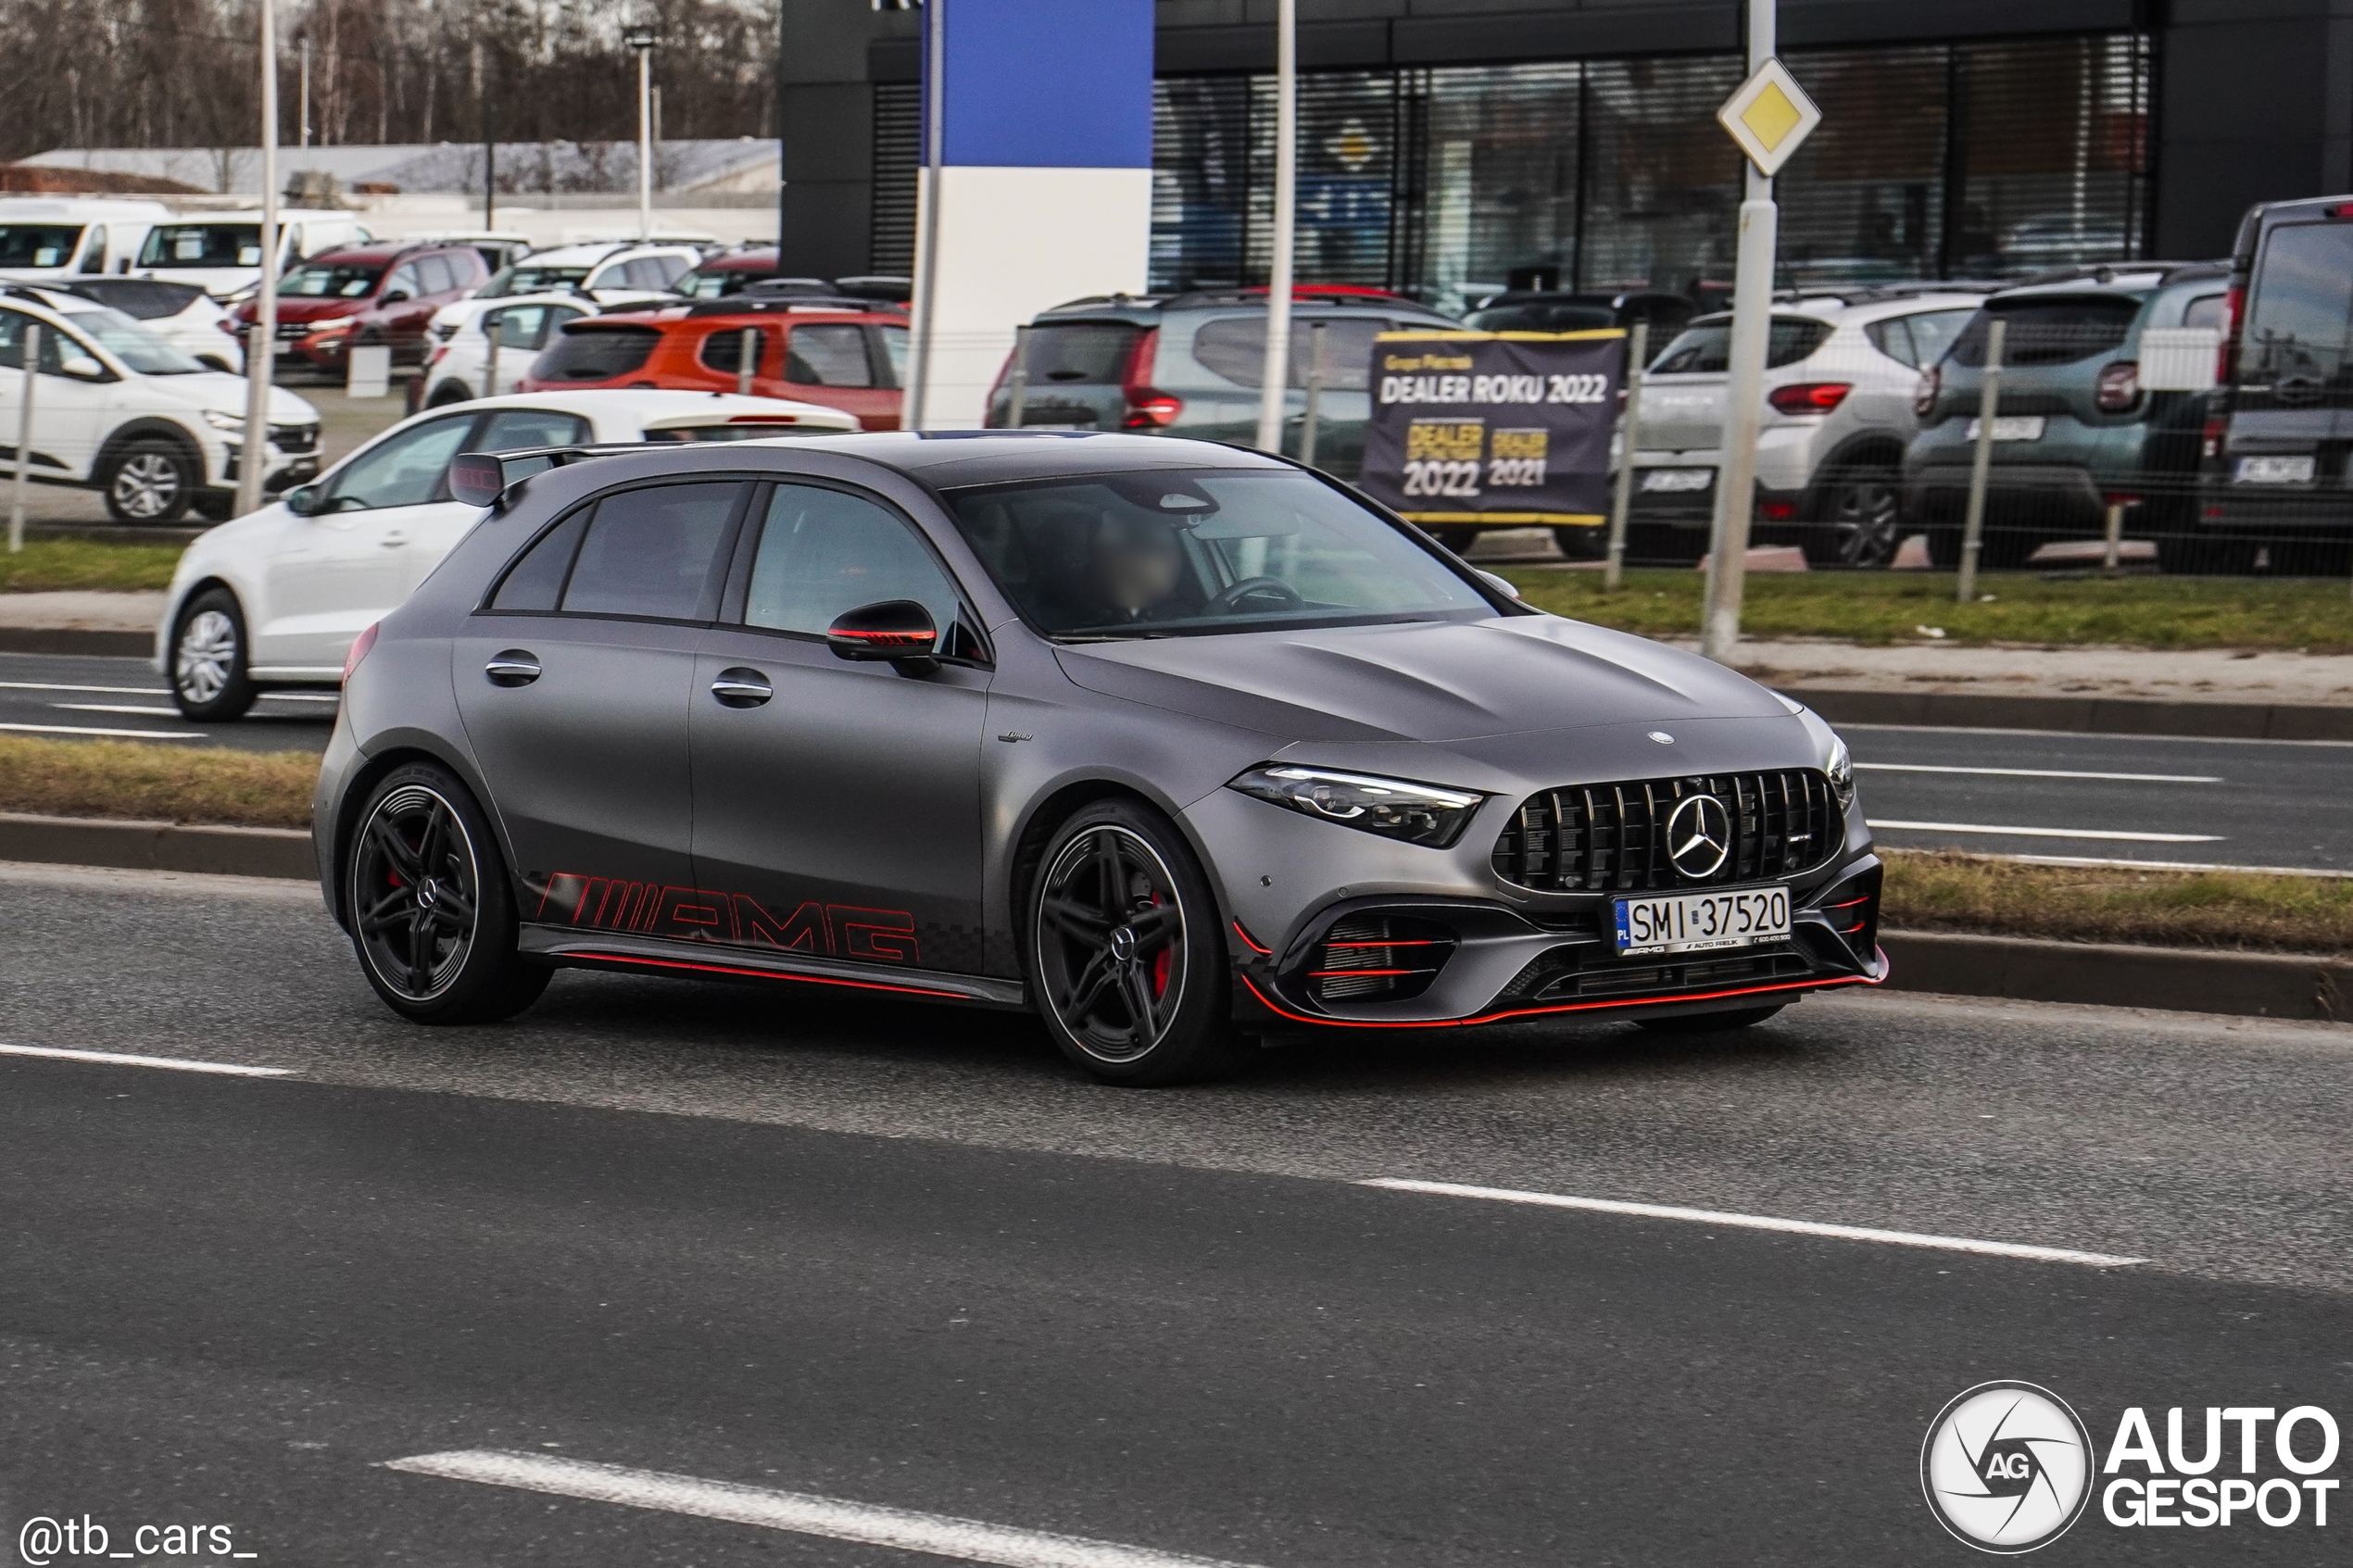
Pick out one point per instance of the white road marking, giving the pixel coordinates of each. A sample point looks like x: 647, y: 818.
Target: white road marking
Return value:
x: 2088, y: 861
x: 2088, y: 735
x: 105, y: 691
x: 2034, y: 773
x: 87, y: 730
x: 177, y: 1064
x: 115, y: 707
x: 1761, y: 1223
x: 302, y: 697
x: 2050, y: 833
x: 940, y: 1535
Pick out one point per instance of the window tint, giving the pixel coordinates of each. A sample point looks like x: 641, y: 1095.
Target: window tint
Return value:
x: 1707, y: 347
x: 12, y: 326
x: 894, y: 342
x: 1072, y: 353
x: 331, y: 279
x: 649, y: 552
x: 518, y: 325
x: 724, y: 350
x: 825, y: 551
x: 536, y: 580
x: 406, y: 471
x: 36, y: 245
x: 519, y: 430
x: 1235, y: 348
x: 1892, y: 337
x: 1933, y: 332
x: 2051, y: 331
x: 1541, y: 317
x: 93, y: 253
x: 2207, y: 311
x: 433, y: 273
x: 830, y: 356
x: 597, y: 354
x: 2297, y: 310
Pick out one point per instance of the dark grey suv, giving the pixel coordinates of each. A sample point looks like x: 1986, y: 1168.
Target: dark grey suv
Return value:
x: 1172, y: 743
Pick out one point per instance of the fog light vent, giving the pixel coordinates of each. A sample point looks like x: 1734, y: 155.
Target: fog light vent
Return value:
x: 1379, y: 958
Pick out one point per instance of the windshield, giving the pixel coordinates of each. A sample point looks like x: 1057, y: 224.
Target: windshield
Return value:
x: 202, y: 244
x: 519, y: 278
x: 1153, y: 555
x: 333, y: 279
x: 138, y: 348
x: 38, y: 245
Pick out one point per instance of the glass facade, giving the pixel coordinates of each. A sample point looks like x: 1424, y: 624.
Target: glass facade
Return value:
x: 1937, y: 160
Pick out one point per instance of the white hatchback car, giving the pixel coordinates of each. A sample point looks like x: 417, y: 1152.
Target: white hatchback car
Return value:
x: 276, y: 598
x: 118, y: 410
x: 458, y: 367
x: 1839, y: 379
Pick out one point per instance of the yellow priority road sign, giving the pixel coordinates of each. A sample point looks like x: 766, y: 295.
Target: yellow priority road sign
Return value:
x: 1769, y: 116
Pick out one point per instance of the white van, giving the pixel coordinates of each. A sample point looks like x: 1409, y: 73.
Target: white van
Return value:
x: 51, y: 238
x: 220, y: 252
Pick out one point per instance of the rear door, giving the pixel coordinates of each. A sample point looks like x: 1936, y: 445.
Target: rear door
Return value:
x: 2292, y: 387
x: 828, y: 362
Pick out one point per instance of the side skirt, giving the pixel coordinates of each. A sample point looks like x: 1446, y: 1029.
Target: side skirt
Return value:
x: 654, y: 955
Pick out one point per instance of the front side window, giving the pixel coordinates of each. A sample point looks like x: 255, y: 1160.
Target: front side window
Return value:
x: 433, y: 275
x: 519, y: 430
x: 93, y: 253
x: 137, y: 347
x: 407, y: 469
x: 653, y: 552
x: 828, y: 356
x: 12, y: 331
x: 403, y: 281
x: 1174, y: 554
x: 825, y: 551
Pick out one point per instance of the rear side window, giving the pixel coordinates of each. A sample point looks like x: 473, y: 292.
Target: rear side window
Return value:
x: 2051, y: 331
x: 1708, y: 347
x: 1078, y: 352
x: 1235, y: 348
x: 724, y: 350
x: 596, y: 354
x: 535, y: 581
x: 2297, y: 312
x: 2207, y: 311
x: 1918, y: 341
x: 825, y: 551
x: 828, y: 356
x: 650, y: 552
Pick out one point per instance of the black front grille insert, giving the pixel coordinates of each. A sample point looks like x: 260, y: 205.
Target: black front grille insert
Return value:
x: 1591, y: 839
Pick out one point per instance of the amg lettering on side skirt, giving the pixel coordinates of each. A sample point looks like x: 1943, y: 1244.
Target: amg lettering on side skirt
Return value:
x: 692, y: 914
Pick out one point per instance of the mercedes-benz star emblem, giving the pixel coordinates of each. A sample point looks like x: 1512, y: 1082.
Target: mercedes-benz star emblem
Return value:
x: 1699, y: 835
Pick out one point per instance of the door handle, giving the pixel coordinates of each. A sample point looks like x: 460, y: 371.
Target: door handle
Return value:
x: 515, y: 667
x: 740, y: 687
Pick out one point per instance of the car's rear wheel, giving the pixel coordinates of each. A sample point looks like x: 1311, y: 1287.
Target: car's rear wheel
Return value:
x: 449, y: 393
x: 427, y: 900
x: 1861, y: 519
x: 1709, y: 1022
x: 151, y: 481
x: 1126, y: 960
x: 209, y: 682
x: 1581, y: 543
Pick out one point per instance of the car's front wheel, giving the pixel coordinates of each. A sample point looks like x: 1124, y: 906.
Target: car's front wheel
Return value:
x: 1126, y: 951
x: 426, y: 899
x: 209, y: 682
x: 151, y: 481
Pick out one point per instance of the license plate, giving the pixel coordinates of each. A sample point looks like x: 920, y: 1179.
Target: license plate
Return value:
x: 1676, y: 481
x: 2012, y: 427
x: 2273, y: 470
x: 1696, y: 922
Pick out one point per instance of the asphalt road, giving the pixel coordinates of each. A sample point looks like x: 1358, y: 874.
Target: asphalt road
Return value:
x: 2126, y: 797
x: 69, y: 698
x: 900, y: 1255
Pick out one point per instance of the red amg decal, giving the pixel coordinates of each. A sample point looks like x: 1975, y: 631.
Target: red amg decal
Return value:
x: 803, y: 931
x: 693, y: 914
x: 887, y: 935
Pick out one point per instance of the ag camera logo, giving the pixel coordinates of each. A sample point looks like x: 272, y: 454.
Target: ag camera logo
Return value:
x: 2007, y: 1467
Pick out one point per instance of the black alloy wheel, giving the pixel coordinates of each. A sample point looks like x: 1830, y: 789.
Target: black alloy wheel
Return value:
x: 1125, y: 957
x: 1862, y: 519
x: 428, y: 907
x: 1709, y: 1022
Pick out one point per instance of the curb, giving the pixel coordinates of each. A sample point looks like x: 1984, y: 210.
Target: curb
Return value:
x: 77, y: 640
x: 2087, y: 715
x: 158, y: 846
x: 2108, y: 974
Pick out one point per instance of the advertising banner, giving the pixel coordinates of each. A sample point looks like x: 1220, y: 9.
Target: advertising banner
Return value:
x: 1503, y: 429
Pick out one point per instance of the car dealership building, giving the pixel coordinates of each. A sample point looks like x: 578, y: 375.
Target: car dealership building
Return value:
x: 1450, y: 146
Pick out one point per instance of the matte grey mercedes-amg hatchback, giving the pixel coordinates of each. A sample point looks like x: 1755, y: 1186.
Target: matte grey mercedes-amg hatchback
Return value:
x: 1171, y: 743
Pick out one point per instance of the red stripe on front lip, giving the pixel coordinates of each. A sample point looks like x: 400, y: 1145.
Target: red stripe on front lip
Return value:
x: 1564, y: 1007
x: 767, y: 974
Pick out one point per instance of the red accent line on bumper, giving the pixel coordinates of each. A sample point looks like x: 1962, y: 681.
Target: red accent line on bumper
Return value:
x: 1564, y: 1006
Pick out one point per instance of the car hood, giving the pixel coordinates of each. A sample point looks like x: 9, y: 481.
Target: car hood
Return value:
x: 220, y: 391
x: 1432, y: 681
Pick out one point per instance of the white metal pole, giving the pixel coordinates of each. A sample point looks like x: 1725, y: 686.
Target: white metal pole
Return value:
x: 1313, y: 414
x: 303, y: 130
x: 1275, y: 387
x: 645, y: 143
x: 747, y: 361
x: 30, y: 350
x: 1989, y: 403
x: 1745, y: 385
x: 914, y: 413
x: 262, y: 352
x: 1629, y: 437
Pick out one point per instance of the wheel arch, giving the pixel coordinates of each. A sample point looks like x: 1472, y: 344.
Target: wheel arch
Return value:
x: 151, y: 427
x: 361, y: 782
x: 1879, y: 448
x: 1057, y: 807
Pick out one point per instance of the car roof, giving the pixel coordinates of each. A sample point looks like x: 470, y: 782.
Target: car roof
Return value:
x: 662, y: 317
x: 952, y: 460
x: 644, y: 403
x: 1144, y: 310
x: 56, y: 299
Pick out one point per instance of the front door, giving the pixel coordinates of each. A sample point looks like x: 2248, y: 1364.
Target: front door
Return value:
x: 840, y: 815
x: 69, y: 411
x: 574, y: 684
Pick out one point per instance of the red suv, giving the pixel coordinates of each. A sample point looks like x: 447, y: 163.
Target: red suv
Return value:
x: 368, y: 294
x: 841, y: 353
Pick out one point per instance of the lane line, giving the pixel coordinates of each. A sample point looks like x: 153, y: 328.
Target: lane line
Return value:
x: 56, y: 687
x: 938, y: 1535
x: 2048, y: 832
x: 2092, y: 860
x: 1761, y: 1223
x: 2033, y: 774
x: 86, y: 729
x: 2085, y: 736
x: 176, y: 1064
x: 115, y: 707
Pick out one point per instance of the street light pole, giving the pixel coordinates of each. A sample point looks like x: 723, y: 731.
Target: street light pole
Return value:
x: 1275, y: 383
x: 642, y: 39
x: 261, y: 351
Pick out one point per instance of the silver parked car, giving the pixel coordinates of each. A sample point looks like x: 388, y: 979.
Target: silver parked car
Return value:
x: 1172, y: 743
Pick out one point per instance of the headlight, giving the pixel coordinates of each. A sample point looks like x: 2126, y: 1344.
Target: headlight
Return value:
x: 234, y: 423
x: 1840, y: 769
x: 1416, y: 813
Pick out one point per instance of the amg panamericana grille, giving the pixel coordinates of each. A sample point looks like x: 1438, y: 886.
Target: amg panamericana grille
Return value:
x: 1613, y: 836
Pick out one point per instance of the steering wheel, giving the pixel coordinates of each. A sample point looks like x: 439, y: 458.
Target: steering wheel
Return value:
x: 1230, y: 598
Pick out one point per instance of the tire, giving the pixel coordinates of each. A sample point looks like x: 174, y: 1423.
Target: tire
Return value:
x: 1138, y: 1008
x: 1860, y: 519
x: 1709, y: 1022
x: 209, y: 682
x: 1456, y: 536
x: 215, y: 505
x: 151, y: 481
x: 430, y: 910
x: 1581, y: 543
x: 448, y: 395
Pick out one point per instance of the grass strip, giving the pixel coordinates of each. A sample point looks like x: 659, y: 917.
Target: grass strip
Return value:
x: 2308, y: 613
x: 56, y: 565
x: 155, y: 782
x: 2241, y: 911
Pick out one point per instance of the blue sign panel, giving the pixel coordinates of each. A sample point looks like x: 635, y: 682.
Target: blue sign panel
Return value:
x: 1048, y: 84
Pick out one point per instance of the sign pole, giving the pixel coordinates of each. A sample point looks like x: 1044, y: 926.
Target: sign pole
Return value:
x: 917, y: 397
x: 1621, y: 504
x: 261, y: 352
x: 31, y: 351
x: 1989, y: 403
x: 1274, y: 386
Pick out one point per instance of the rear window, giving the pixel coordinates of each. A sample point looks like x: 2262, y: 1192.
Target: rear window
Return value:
x: 1541, y: 318
x: 1708, y: 346
x: 2050, y: 332
x: 1080, y: 353
x: 2299, y: 309
x: 596, y: 353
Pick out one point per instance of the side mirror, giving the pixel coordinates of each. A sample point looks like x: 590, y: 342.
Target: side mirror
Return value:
x: 303, y: 500
x: 81, y: 367
x: 897, y: 631
x: 397, y: 296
